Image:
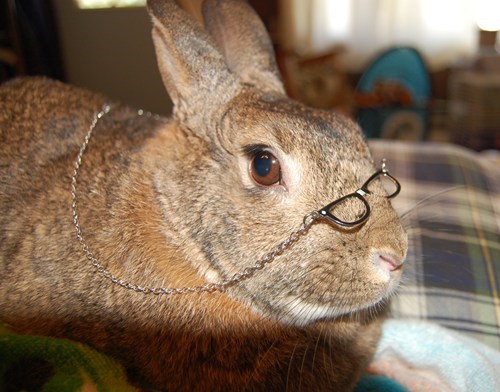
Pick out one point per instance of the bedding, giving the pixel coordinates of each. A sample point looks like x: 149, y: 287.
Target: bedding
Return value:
x: 449, y: 204
x: 423, y: 356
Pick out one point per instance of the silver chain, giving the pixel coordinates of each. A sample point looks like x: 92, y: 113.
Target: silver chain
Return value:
x: 209, y: 287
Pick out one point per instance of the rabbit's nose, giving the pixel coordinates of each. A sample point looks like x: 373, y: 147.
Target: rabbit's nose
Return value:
x: 389, y: 261
x: 387, y: 264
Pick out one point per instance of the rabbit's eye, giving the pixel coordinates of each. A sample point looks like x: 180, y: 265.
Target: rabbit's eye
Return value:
x: 265, y: 169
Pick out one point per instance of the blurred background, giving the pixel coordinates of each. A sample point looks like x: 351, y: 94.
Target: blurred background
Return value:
x: 405, y: 69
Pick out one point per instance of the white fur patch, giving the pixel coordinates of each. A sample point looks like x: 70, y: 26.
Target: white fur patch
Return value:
x: 301, y: 313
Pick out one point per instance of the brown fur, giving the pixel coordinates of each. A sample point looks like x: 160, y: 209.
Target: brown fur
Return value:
x: 169, y: 202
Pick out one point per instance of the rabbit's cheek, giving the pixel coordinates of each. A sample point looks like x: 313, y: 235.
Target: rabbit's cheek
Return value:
x: 330, y: 284
x: 350, y: 273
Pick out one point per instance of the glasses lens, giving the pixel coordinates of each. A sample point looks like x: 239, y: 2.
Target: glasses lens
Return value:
x: 348, y: 210
x: 383, y: 185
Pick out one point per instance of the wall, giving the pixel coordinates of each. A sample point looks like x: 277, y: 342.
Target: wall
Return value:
x: 111, y: 51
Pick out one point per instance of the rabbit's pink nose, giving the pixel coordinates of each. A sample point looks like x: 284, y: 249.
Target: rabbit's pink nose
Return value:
x: 389, y: 262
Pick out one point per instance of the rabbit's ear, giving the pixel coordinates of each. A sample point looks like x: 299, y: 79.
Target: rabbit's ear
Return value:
x: 192, y: 67
x: 246, y: 45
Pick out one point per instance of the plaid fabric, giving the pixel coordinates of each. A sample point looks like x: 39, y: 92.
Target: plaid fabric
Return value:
x: 450, y: 205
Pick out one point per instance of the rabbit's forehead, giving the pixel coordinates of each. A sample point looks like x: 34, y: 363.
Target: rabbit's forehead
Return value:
x: 294, y: 128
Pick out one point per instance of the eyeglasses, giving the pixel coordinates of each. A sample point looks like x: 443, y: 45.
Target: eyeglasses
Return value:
x: 353, y: 209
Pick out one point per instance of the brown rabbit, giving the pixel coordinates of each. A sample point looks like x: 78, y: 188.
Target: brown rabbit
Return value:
x: 197, y: 198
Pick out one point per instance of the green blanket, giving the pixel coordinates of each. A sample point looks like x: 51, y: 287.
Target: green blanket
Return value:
x: 39, y: 363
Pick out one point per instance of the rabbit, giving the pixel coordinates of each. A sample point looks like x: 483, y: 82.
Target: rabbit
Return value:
x: 191, y: 199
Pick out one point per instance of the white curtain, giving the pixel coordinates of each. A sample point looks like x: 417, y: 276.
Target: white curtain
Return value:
x: 444, y: 31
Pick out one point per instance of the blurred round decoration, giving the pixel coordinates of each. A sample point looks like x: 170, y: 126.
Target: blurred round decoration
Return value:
x: 392, y: 96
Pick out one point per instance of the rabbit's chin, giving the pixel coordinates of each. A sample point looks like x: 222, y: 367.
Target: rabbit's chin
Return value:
x: 301, y: 312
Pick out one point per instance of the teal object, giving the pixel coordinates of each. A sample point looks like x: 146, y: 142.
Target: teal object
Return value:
x: 393, y: 96
x: 377, y: 383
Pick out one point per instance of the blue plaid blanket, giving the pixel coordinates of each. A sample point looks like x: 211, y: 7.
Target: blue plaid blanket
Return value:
x: 450, y: 205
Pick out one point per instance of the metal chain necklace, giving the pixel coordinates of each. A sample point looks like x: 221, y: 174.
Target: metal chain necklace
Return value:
x: 207, y: 288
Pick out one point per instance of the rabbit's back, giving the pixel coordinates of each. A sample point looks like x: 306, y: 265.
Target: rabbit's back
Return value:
x: 40, y: 124
x: 42, y: 119
x: 43, y: 124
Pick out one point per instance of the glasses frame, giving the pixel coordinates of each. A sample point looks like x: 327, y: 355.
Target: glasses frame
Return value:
x: 360, y: 195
